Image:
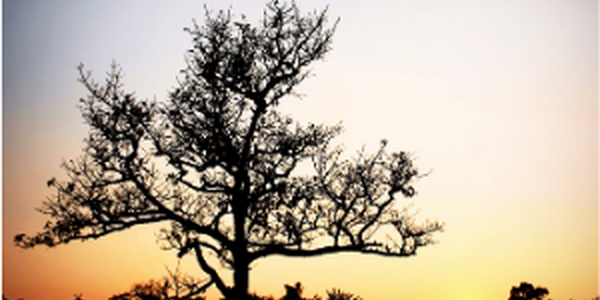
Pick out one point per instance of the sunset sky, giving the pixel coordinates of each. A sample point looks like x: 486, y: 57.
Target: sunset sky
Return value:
x: 497, y: 99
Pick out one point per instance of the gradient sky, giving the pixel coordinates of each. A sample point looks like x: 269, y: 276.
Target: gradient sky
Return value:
x: 497, y: 98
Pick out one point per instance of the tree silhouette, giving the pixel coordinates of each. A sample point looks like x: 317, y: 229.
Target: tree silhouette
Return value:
x: 526, y: 291
x: 218, y: 161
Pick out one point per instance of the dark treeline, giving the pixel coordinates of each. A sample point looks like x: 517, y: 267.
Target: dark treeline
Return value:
x: 177, y: 286
x: 168, y: 290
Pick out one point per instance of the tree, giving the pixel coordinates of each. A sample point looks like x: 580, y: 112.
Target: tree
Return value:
x: 218, y: 161
x: 526, y: 291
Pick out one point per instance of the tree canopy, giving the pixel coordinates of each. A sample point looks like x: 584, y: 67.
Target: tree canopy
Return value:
x: 217, y: 161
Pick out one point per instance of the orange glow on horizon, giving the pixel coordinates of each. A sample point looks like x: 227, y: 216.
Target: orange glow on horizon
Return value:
x: 497, y: 100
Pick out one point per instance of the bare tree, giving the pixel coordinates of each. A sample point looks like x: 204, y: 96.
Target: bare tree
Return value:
x: 217, y: 160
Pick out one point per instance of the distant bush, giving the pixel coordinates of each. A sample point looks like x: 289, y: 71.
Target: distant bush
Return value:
x: 183, y: 287
x: 294, y: 292
x: 526, y: 291
x: 176, y: 286
x: 337, y: 294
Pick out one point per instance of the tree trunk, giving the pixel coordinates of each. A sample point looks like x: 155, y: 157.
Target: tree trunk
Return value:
x: 240, y: 279
x: 240, y: 251
x: 240, y: 213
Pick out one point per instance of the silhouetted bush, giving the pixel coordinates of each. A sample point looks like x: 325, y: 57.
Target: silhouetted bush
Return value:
x: 175, y: 286
x: 337, y: 294
x: 254, y: 296
x: 294, y: 292
x: 526, y: 291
